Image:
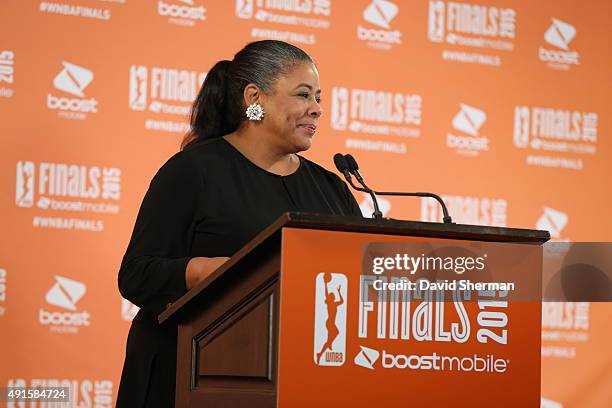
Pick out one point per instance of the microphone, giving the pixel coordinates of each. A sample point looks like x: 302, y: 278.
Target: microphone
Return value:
x: 353, y: 168
x: 343, y: 167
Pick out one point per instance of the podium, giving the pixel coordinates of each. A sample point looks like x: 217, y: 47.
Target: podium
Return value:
x: 291, y: 321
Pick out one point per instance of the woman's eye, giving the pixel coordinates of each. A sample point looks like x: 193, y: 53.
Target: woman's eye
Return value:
x: 307, y: 96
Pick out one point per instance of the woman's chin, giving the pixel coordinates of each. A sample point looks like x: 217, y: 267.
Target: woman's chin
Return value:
x: 305, y: 145
x: 302, y: 142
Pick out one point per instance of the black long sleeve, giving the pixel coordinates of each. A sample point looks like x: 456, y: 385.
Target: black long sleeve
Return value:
x: 152, y: 272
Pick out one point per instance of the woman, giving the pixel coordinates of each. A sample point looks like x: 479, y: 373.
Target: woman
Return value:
x: 237, y: 172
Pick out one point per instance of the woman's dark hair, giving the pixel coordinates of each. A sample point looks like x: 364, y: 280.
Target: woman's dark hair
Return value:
x: 219, y: 108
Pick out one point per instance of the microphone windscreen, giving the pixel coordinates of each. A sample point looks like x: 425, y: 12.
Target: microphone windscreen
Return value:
x: 351, y: 163
x: 340, y: 162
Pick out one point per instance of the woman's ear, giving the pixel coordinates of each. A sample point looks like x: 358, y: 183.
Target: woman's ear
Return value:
x: 251, y: 94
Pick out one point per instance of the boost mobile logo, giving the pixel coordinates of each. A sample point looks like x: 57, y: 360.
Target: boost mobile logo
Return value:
x: 367, y: 357
x: 72, y: 79
x: 469, y: 119
x: 380, y: 13
x: 188, y: 11
x: 559, y: 34
x: 244, y: 8
x: 330, y: 319
x: 548, y: 403
x: 65, y: 293
x: 553, y: 221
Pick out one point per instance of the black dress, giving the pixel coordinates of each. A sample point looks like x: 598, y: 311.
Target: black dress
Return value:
x: 208, y: 200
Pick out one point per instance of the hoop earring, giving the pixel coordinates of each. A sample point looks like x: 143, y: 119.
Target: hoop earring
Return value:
x: 255, y: 112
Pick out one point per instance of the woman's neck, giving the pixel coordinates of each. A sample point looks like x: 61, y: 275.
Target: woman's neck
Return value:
x: 254, y: 147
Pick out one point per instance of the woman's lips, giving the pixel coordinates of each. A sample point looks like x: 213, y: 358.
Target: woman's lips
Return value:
x: 309, y: 128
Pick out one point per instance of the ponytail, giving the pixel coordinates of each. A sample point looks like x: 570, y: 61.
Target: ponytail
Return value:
x: 208, y: 114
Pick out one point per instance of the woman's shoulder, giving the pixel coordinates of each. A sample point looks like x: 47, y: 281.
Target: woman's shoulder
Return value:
x: 321, y: 171
x: 335, y: 186
x: 204, y: 148
x: 187, y: 162
x: 196, y: 155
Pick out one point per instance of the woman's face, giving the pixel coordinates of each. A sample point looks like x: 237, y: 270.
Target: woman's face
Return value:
x: 292, y: 109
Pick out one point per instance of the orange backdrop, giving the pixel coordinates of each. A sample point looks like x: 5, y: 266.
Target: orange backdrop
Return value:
x: 500, y: 106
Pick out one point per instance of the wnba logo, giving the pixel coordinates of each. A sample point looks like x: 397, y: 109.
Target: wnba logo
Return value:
x: 24, y: 188
x: 330, y: 319
x: 521, y: 126
x: 339, y: 115
x: 138, y: 87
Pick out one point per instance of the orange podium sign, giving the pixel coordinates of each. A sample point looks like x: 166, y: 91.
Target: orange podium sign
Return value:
x: 343, y: 342
x: 324, y: 311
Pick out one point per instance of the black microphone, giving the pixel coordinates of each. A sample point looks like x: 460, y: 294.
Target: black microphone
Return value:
x: 353, y: 168
x: 344, y: 166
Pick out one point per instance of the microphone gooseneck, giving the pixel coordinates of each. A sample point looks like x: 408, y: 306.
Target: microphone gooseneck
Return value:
x: 350, y: 166
x: 347, y: 165
x: 446, y: 218
x: 342, y: 166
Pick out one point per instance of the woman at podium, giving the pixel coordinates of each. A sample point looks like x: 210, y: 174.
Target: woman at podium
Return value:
x: 237, y: 171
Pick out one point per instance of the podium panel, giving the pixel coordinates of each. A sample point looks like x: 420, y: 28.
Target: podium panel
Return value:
x: 338, y: 348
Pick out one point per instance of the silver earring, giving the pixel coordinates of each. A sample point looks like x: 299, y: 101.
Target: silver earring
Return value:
x: 255, y: 112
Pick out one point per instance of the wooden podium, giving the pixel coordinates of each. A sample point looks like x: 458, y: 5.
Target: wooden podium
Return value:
x: 253, y: 333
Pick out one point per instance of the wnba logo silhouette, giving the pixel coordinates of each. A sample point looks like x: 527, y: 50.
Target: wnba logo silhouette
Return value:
x: 24, y: 189
x: 330, y: 319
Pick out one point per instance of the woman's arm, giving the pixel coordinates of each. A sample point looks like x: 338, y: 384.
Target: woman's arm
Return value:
x: 154, y: 270
x: 199, y: 268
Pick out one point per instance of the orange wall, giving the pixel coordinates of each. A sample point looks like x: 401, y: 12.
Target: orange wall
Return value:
x: 511, y: 129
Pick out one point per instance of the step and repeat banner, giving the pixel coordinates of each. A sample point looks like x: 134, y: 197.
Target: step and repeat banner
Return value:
x: 500, y: 106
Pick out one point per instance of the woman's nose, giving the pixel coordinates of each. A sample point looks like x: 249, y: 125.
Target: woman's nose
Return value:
x: 315, y: 110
